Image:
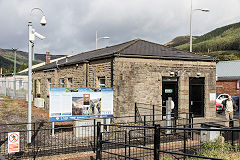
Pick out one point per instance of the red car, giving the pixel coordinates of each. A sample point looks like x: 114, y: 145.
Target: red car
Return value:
x: 219, y: 107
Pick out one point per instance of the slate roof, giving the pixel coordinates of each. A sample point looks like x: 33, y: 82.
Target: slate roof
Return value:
x: 134, y: 48
x: 228, y: 70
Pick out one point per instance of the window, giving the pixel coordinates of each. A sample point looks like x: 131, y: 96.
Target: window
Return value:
x: 49, y: 83
x: 39, y: 86
x: 20, y: 84
x: 69, y: 82
x: 238, y: 84
x: 101, y: 81
x: 61, y: 82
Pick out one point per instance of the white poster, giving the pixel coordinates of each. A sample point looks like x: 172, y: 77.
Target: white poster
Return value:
x: 70, y: 103
x: 212, y: 97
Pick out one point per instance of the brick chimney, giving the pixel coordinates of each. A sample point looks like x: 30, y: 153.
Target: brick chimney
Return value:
x: 47, y: 58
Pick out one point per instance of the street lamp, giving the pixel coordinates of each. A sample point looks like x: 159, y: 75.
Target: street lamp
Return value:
x: 97, y: 39
x: 191, y: 12
x: 31, y: 37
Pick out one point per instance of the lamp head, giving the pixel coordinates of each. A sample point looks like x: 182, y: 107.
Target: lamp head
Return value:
x: 43, y: 21
x: 205, y: 10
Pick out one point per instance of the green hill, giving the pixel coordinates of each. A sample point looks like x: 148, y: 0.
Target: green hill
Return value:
x: 222, y: 43
x: 7, y: 60
x: 179, y: 41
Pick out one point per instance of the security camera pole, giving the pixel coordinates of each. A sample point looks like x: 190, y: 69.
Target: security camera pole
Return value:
x: 31, y: 38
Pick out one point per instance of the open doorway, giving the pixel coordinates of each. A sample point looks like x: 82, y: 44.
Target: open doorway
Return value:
x: 170, y: 89
x: 196, y: 96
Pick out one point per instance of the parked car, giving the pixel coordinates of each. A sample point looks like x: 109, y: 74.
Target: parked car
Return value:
x: 221, y: 97
x: 219, y: 108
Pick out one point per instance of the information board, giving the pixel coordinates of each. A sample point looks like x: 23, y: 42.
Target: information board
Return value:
x: 70, y: 103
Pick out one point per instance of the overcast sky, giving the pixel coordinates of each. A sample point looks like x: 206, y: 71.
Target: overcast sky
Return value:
x: 72, y: 24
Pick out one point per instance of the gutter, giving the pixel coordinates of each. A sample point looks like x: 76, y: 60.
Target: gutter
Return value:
x: 166, y: 58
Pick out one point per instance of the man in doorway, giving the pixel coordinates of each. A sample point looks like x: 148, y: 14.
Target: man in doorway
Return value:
x: 229, y: 105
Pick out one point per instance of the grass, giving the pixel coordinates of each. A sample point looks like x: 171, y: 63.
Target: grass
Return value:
x: 216, y: 149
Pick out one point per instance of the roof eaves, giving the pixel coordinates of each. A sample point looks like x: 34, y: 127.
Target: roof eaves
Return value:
x: 165, y: 57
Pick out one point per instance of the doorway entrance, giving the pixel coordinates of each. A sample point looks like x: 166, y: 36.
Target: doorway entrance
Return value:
x: 196, y: 96
x: 170, y: 89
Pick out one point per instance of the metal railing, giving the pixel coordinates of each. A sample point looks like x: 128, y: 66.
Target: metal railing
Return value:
x: 65, y: 137
x: 153, y: 142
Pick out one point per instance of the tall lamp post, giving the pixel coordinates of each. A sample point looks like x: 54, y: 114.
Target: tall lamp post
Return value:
x: 97, y: 39
x: 31, y: 37
x: 191, y: 12
x: 14, y: 72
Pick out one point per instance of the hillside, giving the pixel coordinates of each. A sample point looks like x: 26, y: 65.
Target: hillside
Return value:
x: 222, y: 43
x: 7, y: 59
x: 179, y: 41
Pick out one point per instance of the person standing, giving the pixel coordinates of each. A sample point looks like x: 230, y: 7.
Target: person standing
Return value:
x: 229, y: 105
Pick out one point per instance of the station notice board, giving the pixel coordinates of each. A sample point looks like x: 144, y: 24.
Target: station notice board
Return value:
x: 13, y: 142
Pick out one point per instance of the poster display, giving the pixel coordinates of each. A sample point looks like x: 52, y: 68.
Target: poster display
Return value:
x: 70, y: 103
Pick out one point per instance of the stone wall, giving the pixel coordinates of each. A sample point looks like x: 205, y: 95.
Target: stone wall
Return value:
x: 140, y: 80
x: 227, y: 86
x: 81, y: 75
x: 135, y: 80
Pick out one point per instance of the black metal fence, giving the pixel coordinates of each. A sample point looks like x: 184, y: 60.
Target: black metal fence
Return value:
x: 68, y: 137
x: 120, y: 140
x: 156, y: 142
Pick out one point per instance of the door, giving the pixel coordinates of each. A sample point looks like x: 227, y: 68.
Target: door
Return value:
x: 170, y: 89
x: 196, y: 96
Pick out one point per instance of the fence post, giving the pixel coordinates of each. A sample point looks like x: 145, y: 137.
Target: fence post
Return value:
x: 156, y: 141
x: 129, y: 143
x: 125, y: 147
x: 99, y: 142
x: 144, y: 131
x: 184, y: 142
x: 135, y: 117
x: 153, y: 115
x: 189, y: 123
x: 94, y: 135
x: 232, y: 133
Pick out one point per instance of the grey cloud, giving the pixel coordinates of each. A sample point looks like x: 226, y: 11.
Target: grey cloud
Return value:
x: 72, y: 23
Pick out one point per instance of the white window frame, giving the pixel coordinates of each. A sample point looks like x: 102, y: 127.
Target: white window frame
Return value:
x: 238, y: 84
x: 99, y: 81
x: 49, y: 80
x: 61, y: 82
x: 39, y: 86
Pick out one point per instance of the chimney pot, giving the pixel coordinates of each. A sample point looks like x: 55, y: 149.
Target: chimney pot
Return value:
x: 47, y: 57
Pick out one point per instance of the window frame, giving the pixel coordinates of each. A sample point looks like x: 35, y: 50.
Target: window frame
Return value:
x: 61, y: 82
x: 99, y: 82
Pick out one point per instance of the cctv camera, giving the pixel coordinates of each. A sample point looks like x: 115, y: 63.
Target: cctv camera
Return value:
x: 43, y: 21
x: 198, y: 74
x: 172, y: 73
x: 39, y: 35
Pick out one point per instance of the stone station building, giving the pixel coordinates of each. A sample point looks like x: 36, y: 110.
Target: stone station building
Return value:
x: 139, y: 71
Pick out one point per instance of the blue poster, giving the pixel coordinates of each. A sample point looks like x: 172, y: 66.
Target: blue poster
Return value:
x: 71, y: 103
